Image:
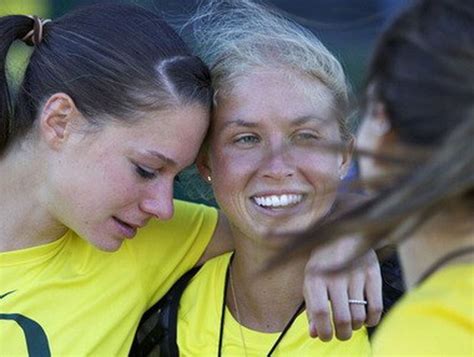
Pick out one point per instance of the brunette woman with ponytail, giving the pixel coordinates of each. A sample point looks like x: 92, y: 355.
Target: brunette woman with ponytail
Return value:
x: 89, y: 146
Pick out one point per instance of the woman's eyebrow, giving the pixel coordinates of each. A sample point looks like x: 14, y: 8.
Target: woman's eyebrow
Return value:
x: 305, y: 119
x: 162, y: 157
x: 301, y: 120
x: 239, y: 122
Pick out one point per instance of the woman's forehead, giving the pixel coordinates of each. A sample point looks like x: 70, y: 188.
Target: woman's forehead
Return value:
x: 271, y: 93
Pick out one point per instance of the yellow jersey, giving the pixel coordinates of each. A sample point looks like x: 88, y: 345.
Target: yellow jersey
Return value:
x: 199, y: 321
x: 69, y: 298
x: 437, y: 318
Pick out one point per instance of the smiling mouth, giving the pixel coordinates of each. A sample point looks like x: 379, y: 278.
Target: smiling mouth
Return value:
x: 278, y: 201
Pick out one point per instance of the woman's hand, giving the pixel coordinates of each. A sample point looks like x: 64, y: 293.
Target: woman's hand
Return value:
x: 363, y: 282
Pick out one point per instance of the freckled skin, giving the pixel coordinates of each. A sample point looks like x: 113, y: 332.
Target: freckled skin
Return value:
x: 94, y: 178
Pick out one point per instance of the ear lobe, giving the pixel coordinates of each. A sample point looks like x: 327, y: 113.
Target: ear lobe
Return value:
x: 56, y: 118
x: 202, y: 164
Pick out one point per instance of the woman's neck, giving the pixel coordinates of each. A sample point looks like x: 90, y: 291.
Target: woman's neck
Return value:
x: 263, y: 301
x: 24, y: 221
x: 441, y: 235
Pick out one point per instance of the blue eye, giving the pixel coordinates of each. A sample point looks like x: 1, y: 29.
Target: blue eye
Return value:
x: 247, y: 139
x: 143, y: 173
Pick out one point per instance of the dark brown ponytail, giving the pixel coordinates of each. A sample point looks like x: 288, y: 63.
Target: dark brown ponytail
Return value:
x: 12, y: 28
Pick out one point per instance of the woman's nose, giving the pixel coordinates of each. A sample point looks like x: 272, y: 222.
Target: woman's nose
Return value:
x: 158, y: 201
x: 278, y: 164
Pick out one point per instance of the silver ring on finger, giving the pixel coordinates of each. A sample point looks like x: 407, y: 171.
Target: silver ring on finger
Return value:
x: 357, y: 302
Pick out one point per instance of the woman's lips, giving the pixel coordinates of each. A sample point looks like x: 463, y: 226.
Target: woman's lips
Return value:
x: 125, y: 229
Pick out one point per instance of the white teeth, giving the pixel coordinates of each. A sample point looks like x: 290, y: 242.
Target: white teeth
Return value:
x: 278, y: 201
x: 275, y: 201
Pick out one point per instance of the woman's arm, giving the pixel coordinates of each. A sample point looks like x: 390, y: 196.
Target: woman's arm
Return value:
x: 221, y: 241
x: 361, y: 283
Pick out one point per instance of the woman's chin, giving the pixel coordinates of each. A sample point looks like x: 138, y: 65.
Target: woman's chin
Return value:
x: 106, y: 243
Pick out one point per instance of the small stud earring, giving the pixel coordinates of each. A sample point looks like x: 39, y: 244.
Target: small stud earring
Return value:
x: 209, y: 179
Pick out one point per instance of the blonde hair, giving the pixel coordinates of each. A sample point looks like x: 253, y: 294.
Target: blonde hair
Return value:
x: 234, y: 37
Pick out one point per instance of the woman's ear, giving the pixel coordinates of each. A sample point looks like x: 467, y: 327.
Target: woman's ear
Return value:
x: 56, y: 118
x: 346, y: 157
x: 376, y: 136
x: 381, y: 128
x: 380, y: 122
x: 202, y: 164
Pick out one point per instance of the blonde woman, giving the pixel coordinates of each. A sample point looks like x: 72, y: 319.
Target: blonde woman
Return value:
x: 280, y: 94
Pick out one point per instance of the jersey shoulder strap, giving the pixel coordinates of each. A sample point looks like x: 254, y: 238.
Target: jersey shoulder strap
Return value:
x: 158, y: 326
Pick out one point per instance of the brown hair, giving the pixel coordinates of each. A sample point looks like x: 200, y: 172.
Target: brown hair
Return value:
x: 110, y: 59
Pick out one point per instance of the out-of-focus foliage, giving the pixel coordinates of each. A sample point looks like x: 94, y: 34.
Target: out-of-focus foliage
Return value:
x: 34, y: 7
x: 19, y: 53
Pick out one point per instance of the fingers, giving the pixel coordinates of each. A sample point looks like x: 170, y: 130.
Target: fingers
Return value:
x: 356, y: 291
x: 340, y: 307
x: 317, y: 308
x: 373, y: 293
x: 358, y: 283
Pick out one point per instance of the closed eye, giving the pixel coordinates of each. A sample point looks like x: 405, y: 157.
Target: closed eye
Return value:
x: 146, y: 174
x: 306, y: 136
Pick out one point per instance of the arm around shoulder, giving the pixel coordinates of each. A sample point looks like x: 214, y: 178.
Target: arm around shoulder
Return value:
x: 221, y: 241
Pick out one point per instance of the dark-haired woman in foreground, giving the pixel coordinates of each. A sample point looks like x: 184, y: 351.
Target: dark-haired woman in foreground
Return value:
x: 416, y: 143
